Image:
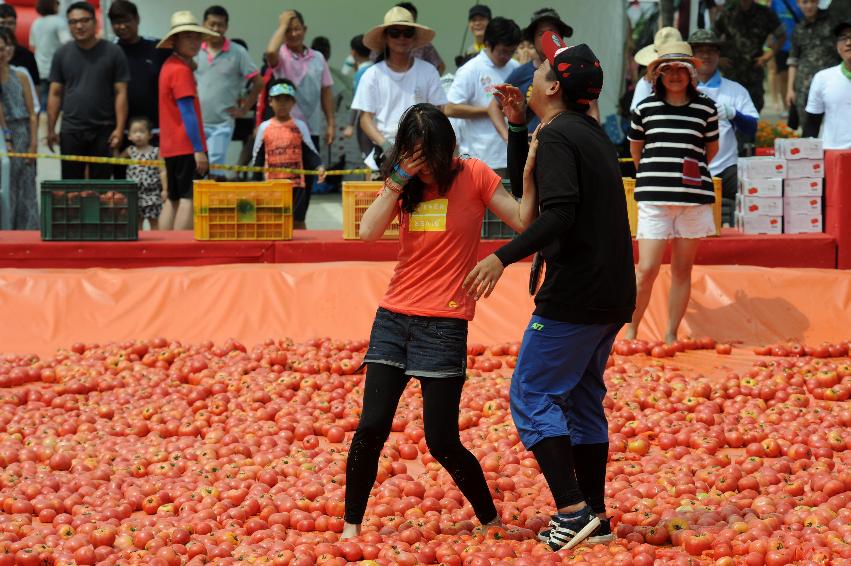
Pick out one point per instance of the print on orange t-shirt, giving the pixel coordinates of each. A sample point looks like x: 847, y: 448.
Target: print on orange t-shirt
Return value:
x: 439, y: 243
x: 282, y: 141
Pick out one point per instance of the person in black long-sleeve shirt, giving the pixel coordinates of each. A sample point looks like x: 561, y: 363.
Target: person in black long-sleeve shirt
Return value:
x: 588, y: 291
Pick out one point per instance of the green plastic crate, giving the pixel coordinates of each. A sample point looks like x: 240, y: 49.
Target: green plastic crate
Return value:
x: 89, y: 210
x: 492, y: 227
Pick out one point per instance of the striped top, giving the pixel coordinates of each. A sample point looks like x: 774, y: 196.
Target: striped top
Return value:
x: 673, y: 167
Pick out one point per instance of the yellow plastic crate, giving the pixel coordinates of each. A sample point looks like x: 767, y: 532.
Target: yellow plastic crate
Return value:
x: 632, y: 205
x: 357, y: 196
x: 243, y: 211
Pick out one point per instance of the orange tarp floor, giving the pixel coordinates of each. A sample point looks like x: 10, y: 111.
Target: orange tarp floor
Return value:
x: 42, y: 310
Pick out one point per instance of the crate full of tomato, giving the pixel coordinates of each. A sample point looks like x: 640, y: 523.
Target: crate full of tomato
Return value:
x: 89, y: 210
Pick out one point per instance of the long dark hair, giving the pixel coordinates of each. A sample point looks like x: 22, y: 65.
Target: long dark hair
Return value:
x: 424, y: 124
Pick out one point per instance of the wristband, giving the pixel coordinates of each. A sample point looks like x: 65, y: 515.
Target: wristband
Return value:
x: 391, y: 185
x: 401, y: 171
x: 517, y: 127
x: 396, y: 178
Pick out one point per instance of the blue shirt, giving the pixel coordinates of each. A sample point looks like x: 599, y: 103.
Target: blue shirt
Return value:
x: 782, y: 9
x: 358, y: 74
x: 521, y: 77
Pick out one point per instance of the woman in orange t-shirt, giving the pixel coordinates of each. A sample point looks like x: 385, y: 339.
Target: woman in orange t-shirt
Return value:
x: 420, y: 329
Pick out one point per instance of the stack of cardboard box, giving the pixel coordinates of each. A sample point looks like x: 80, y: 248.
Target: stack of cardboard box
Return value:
x: 759, y: 202
x: 803, y: 185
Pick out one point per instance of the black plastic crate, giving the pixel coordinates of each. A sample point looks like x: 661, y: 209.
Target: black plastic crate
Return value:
x: 89, y: 210
x: 492, y: 227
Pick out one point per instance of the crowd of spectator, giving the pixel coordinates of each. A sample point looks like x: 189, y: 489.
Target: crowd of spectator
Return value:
x: 101, y: 89
x: 742, y: 39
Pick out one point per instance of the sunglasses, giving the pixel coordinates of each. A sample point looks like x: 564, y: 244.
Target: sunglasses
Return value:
x: 396, y: 33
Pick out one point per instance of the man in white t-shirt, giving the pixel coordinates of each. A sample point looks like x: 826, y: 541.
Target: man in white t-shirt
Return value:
x: 736, y: 110
x: 472, y: 91
x: 392, y: 86
x: 829, y: 101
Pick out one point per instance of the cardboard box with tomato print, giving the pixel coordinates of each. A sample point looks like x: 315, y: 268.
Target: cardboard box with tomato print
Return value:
x: 798, y: 148
x: 802, y: 205
x: 805, y: 169
x: 802, y: 223
x: 762, y: 224
x: 759, y: 206
x: 760, y: 187
x: 803, y: 187
x: 762, y: 168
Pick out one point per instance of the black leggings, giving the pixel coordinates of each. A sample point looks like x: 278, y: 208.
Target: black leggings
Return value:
x: 574, y: 473
x: 441, y: 400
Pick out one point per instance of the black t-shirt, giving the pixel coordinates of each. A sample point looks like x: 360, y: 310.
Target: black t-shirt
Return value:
x: 23, y: 57
x: 145, y: 62
x: 88, y: 77
x: 583, y: 228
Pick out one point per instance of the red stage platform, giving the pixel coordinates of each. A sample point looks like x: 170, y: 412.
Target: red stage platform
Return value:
x: 26, y: 250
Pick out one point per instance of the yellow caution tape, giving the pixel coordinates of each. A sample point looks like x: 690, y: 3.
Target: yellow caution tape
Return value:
x: 160, y: 163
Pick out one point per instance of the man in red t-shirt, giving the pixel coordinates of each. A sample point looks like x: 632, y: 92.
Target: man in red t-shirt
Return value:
x: 182, y: 142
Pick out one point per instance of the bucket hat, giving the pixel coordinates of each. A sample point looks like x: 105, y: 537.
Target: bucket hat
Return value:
x: 397, y: 16
x: 180, y: 22
x: 647, y: 54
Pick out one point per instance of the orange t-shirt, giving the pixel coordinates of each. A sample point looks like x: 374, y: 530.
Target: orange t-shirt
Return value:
x: 440, y: 242
x: 282, y: 141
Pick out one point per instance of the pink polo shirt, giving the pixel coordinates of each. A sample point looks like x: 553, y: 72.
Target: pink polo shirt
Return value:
x: 294, y: 67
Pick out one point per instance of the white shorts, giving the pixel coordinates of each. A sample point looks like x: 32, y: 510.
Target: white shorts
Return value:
x: 668, y: 221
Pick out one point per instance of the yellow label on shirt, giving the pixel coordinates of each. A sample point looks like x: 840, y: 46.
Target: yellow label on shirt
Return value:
x: 429, y: 216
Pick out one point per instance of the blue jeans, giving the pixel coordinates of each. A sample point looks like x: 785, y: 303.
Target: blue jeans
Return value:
x: 557, y: 388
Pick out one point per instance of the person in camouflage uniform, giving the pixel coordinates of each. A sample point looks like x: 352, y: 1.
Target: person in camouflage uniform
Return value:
x: 744, y: 27
x: 813, y: 49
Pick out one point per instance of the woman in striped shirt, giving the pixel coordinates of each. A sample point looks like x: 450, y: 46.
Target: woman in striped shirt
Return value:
x: 673, y: 136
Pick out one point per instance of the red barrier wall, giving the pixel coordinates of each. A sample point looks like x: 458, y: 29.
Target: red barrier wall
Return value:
x: 47, y: 309
x: 837, y: 199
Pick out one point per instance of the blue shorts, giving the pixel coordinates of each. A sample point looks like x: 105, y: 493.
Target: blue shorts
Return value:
x: 423, y: 346
x: 558, y: 388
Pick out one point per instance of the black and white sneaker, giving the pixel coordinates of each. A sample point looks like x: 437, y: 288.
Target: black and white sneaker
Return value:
x: 568, y: 530
x: 602, y: 535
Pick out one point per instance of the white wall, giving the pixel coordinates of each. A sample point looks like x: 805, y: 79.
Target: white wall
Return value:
x: 599, y: 23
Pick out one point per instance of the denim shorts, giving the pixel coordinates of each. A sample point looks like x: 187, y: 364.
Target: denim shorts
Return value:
x: 423, y: 346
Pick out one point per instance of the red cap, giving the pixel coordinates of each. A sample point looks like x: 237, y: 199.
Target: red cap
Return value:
x: 552, y: 45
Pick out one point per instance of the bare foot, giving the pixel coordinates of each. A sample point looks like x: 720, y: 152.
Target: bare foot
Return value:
x: 670, y: 338
x: 630, y: 333
x: 349, y: 531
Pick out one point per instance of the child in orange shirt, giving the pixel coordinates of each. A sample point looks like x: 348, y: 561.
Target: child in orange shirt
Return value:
x: 285, y: 142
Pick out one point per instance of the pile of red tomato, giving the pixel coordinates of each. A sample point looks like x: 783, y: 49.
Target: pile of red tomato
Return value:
x: 659, y: 349
x: 155, y: 452
x: 796, y: 349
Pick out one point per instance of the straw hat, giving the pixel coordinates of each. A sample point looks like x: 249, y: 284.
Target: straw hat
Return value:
x: 182, y: 21
x: 674, y: 52
x: 647, y: 54
x: 397, y: 16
